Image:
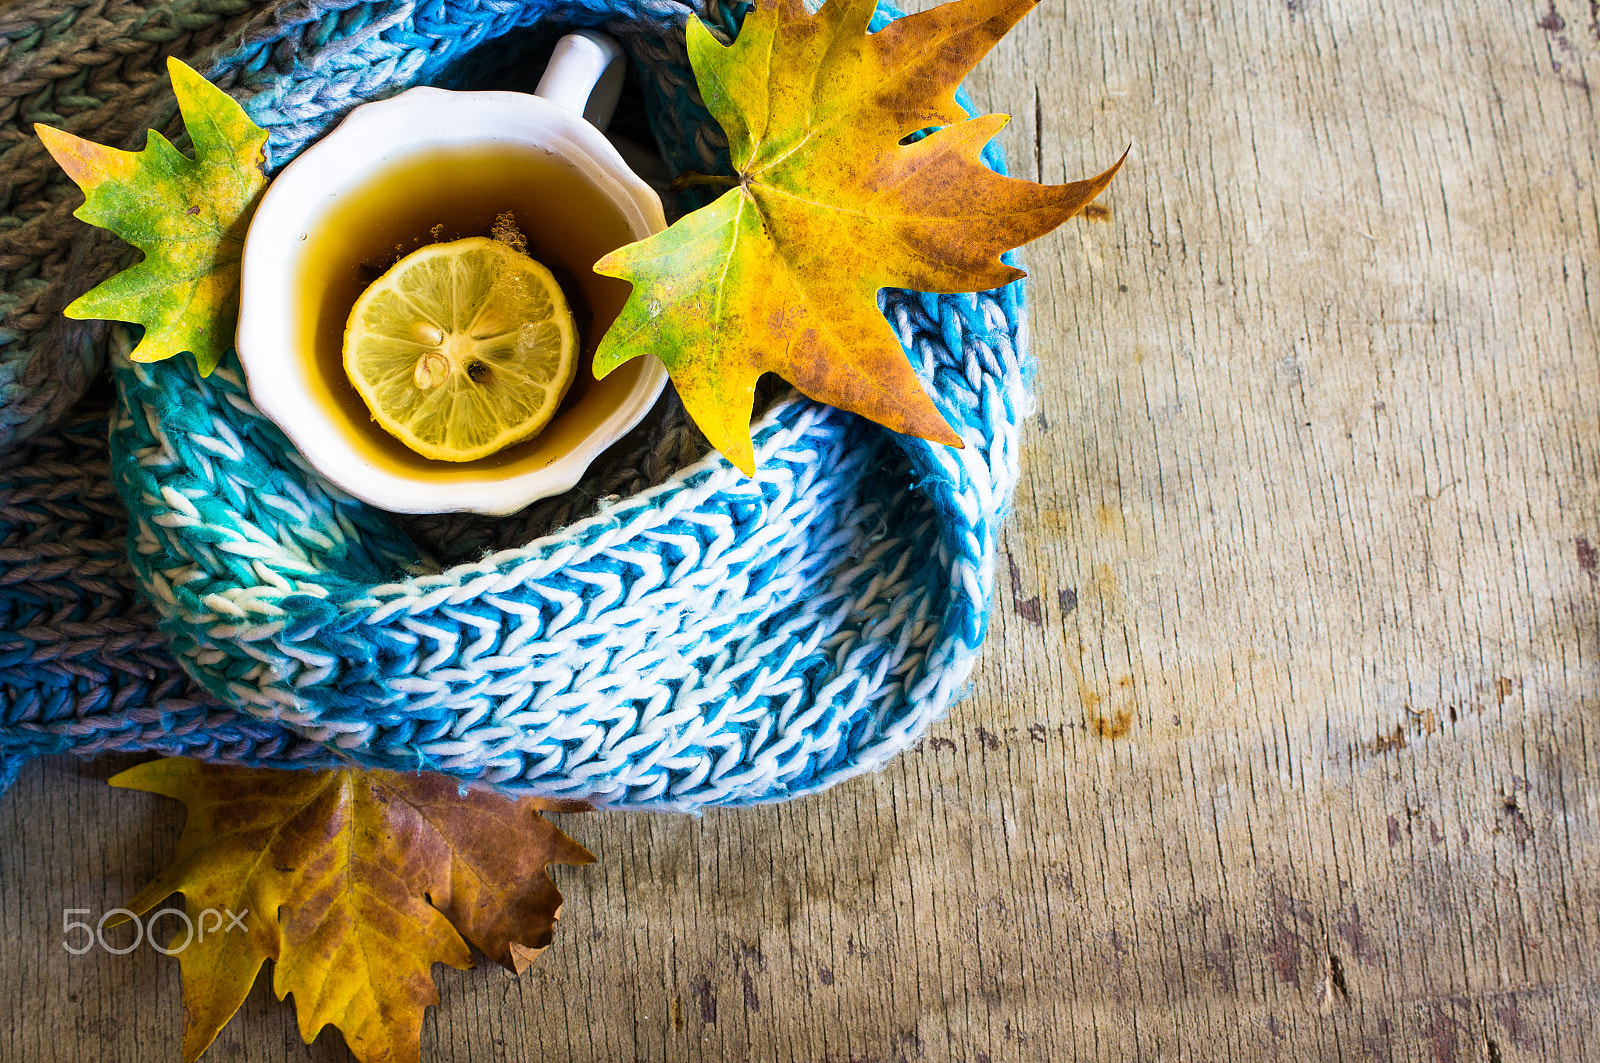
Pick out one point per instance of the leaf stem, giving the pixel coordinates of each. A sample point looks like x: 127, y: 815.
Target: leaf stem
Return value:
x: 690, y: 177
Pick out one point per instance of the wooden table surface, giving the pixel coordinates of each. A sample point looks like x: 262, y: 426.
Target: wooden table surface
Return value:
x: 1284, y: 745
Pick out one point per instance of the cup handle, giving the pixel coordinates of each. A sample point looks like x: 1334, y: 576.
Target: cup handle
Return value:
x: 585, y: 76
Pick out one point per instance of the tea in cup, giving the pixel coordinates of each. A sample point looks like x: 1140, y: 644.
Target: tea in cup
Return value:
x: 427, y: 167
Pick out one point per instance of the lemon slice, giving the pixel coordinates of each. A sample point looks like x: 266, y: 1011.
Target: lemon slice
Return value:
x: 462, y: 349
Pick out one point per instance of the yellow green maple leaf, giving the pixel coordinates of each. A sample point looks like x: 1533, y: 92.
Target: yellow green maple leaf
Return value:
x: 828, y: 205
x: 188, y: 216
x: 354, y: 883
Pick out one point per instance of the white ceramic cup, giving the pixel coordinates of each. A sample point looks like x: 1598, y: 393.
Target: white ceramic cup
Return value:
x: 286, y: 321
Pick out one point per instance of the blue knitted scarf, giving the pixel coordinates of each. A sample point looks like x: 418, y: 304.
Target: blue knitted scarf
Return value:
x: 668, y: 635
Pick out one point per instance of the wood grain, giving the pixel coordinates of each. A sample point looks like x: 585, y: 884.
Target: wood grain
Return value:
x: 1284, y: 745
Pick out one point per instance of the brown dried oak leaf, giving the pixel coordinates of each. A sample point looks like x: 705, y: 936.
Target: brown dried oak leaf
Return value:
x: 355, y: 883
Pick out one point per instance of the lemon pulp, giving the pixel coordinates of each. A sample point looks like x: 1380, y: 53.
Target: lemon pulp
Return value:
x: 462, y: 349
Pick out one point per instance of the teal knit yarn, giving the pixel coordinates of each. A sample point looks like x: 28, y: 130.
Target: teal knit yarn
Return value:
x: 671, y: 635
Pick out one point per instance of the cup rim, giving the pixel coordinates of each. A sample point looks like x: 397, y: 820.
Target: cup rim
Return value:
x: 369, y: 139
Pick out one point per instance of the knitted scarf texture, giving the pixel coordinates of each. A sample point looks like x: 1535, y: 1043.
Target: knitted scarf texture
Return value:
x: 670, y: 634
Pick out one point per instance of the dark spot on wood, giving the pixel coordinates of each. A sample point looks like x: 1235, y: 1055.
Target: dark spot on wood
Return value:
x: 908, y: 1039
x: 1520, y: 830
x: 1508, y: 1015
x: 1336, y: 977
x: 1029, y: 610
x: 1381, y: 1046
x: 703, y: 992
x: 1068, y: 596
x: 1352, y: 929
x: 1122, y: 287
x: 1284, y: 904
x: 1504, y: 688
x: 1433, y: 832
x: 1097, y: 212
x: 1036, y: 732
x: 1442, y: 1036
x: 941, y: 743
x: 1394, y: 740
x: 1116, y: 727
x: 1038, y: 136
x: 1044, y: 422
x: 745, y: 958
x: 1284, y: 952
x: 1493, y: 1050
x: 1222, y: 964
x: 1588, y: 557
x: 1552, y: 22
x: 751, y: 1001
x: 824, y: 975
x: 980, y: 1057
x: 988, y: 740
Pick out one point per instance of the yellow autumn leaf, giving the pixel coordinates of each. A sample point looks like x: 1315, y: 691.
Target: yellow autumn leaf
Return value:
x: 827, y: 206
x: 188, y: 216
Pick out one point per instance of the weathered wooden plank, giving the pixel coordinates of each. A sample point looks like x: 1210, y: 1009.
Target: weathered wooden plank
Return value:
x: 1284, y: 744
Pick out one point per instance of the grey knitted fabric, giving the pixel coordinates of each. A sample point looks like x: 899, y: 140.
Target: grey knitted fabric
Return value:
x: 83, y: 664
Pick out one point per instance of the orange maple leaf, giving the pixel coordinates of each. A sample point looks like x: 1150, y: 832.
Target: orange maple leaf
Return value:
x: 828, y: 205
